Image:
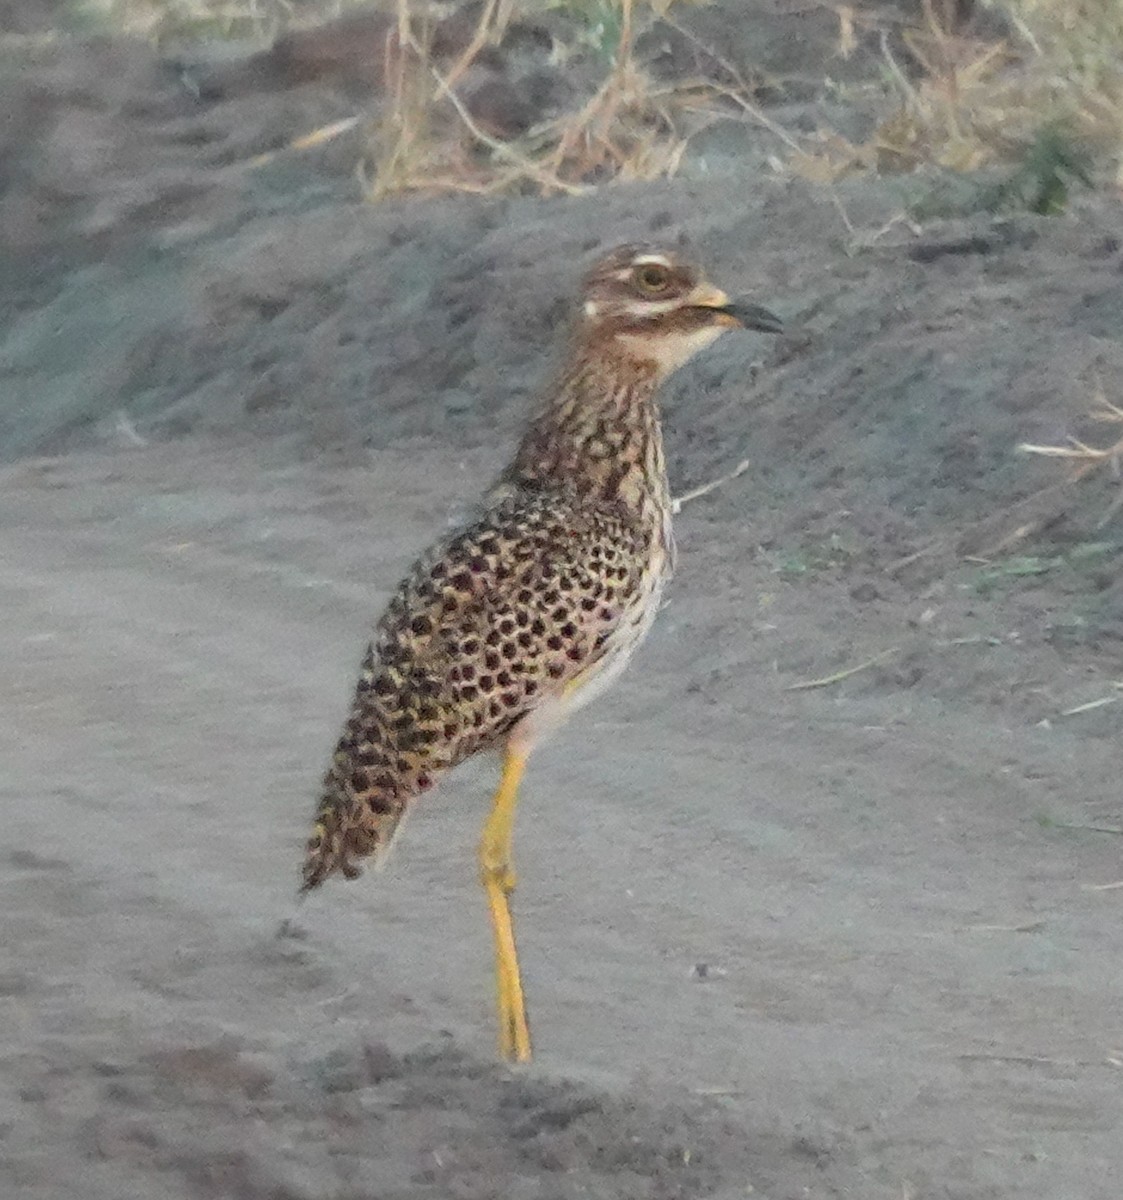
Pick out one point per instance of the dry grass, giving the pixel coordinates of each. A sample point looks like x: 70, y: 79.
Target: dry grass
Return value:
x: 1049, y: 97
x: 161, y: 21
x: 629, y: 128
x: 1048, y: 101
x: 805, y: 685
x: 1085, y: 459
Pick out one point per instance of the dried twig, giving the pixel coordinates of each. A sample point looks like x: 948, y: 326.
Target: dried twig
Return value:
x: 1030, y: 1060
x: 1089, y: 705
x: 1031, y: 927
x: 1086, y: 828
x: 706, y: 488
x: 838, y: 676
x: 477, y: 43
x: 1087, y: 457
x: 546, y: 179
x: 307, y: 141
x: 740, y: 93
x: 1076, y: 449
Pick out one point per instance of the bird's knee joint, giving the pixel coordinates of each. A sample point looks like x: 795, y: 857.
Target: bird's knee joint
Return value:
x: 497, y: 874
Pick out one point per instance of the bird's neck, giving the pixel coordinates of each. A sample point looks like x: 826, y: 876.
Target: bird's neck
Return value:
x: 599, y: 434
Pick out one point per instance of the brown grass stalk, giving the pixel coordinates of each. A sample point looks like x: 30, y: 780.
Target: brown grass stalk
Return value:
x: 628, y: 129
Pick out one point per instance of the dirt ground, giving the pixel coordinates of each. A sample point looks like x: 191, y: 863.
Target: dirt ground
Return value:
x: 856, y: 940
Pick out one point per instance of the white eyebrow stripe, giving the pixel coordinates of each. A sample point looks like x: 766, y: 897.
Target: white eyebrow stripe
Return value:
x: 624, y: 274
x: 651, y: 308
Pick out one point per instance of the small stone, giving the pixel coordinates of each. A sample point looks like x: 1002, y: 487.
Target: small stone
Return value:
x: 457, y: 401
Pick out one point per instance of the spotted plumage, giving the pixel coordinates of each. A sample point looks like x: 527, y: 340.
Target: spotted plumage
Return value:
x: 538, y: 602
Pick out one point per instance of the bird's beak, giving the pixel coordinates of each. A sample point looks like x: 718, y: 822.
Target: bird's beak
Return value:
x: 735, y: 313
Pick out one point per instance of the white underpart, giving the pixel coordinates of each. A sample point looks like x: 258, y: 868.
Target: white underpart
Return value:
x: 552, y: 712
x: 652, y: 308
x: 670, y: 350
x: 640, y: 309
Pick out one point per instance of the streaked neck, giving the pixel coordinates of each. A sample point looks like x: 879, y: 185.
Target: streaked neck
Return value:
x: 599, y: 434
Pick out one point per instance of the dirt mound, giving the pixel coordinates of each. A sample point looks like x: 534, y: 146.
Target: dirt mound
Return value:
x: 363, y: 1121
x: 195, y: 292
x: 935, y: 355
x: 160, y: 285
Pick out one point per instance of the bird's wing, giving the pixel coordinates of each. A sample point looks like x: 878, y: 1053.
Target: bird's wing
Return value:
x: 490, y: 625
x: 508, y: 611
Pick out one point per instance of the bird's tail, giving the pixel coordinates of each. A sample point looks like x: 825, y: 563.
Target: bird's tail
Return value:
x: 357, y: 817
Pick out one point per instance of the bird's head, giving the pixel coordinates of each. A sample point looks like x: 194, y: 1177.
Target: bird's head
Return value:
x: 652, y: 306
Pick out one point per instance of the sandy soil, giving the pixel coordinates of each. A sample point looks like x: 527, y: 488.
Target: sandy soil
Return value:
x: 854, y: 940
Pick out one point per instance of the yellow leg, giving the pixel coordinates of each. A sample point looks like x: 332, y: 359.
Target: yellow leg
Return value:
x: 498, y: 879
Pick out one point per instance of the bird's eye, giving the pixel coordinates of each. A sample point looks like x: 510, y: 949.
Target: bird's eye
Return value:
x: 653, y: 277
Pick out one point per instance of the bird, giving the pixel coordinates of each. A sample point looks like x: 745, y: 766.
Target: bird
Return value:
x: 536, y: 603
